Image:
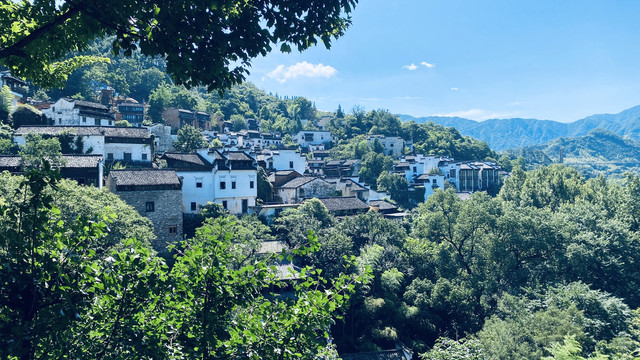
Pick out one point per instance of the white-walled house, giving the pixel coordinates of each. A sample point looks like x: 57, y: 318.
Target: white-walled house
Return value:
x: 304, y: 187
x: 285, y: 159
x: 313, y: 137
x: 228, y: 179
x: 127, y: 145
x: 393, y: 145
x: 71, y: 112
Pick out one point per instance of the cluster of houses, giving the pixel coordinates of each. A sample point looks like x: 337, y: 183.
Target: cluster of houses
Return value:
x: 139, y: 164
x: 228, y: 174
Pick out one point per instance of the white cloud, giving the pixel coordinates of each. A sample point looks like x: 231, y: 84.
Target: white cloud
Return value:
x: 410, y: 67
x: 429, y: 66
x: 478, y: 114
x: 283, y: 73
x: 455, y: 89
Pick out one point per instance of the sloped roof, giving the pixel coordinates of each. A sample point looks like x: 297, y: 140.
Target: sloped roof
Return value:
x: 186, y: 161
x: 375, y: 355
x: 272, y: 247
x: 71, y: 161
x: 344, y: 203
x: 383, y: 205
x: 238, y: 156
x: 111, y: 131
x: 297, y: 182
x: 82, y: 161
x: 10, y: 161
x: 88, y: 104
x: 141, y: 177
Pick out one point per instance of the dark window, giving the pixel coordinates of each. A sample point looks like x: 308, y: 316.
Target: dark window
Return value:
x: 199, y: 184
x: 127, y: 156
x: 144, y: 156
x: 109, y: 156
x: 96, y: 122
x: 150, y: 206
x: 224, y: 204
x: 193, y: 206
x: 223, y: 185
x: 233, y: 184
x: 290, y: 164
x: 173, y: 229
x: 251, y: 184
x: 415, y: 169
x: 245, y: 206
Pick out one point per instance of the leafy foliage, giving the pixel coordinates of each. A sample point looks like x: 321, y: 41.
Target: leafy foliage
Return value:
x: 189, y: 139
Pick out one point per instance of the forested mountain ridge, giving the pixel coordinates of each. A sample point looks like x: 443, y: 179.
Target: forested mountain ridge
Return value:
x: 598, y: 152
x: 503, y: 134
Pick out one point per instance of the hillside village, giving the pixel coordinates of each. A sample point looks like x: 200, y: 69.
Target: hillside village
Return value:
x: 245, y: 171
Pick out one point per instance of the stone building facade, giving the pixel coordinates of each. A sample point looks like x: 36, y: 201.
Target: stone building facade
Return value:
x: 156, y: 194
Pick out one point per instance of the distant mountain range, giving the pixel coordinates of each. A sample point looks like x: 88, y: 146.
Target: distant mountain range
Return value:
x: 504, y: 134
x: 598, y: 152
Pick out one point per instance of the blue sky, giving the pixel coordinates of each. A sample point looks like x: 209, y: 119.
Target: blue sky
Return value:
x: 558, y: 60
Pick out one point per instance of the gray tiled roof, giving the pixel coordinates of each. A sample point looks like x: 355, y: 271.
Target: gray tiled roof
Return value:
x: 238, y: 156
x: 144, y: 177
x: 82, y: 161
x: 344, y: 203
x: 187, y: 161
x: 10, y: 161
x: 122, y: 132
x: 88, y: 104
x: 375, y: 355
x: 297, y: 182
x: 383, y: 205
x: 71, y: 161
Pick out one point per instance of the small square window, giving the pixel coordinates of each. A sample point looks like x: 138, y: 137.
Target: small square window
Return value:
x: 223, y: 185
x: 173, y: 229
x: 199, y: 184
x: 224, y: 204
x: 109, y: 156
x: 127, y: 156
x: 144, y: 156
x: 150, y: 206
x: 251, y: 184
x: 193, y: 206
x: 233, y: 184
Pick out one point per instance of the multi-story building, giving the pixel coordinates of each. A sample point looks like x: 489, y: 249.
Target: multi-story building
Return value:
x: 126, y: 145
x: 156, y: 194
x: 392, y: 145
x: 132, y: 112
x: 228, y: 178
x: 313, y: 139
x: 71, y: 112
x: 177, y: 118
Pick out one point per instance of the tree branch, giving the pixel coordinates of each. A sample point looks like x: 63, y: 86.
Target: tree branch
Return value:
x: 17, y: 49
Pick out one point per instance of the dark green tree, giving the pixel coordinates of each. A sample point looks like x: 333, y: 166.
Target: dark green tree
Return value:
x: 189, y: 139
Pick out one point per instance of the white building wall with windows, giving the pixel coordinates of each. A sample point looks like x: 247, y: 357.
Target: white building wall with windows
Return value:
x: 313, y: 137
x: 64, y: 112
x: 127, y: 152
x: 236, y: 190
x: 197, y: 189
x: 286, y: 160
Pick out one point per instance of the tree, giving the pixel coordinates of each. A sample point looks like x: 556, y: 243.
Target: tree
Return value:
x: 189, y: 139
x: 373, y: 164
x: 394, y: 185
x: 5, y: 104
x: 37, y: 149
x: 265, y: 189
x: 122, y: 123
x: 228, y: 33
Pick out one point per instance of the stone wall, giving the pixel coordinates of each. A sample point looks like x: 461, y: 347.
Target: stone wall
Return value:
x: 167, y: 212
